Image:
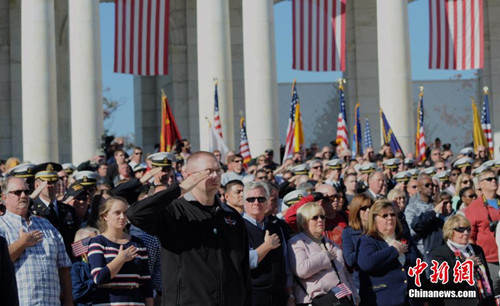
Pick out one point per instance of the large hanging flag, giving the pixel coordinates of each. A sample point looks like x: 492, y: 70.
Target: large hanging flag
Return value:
x: 217, y: 124
x: 357, y: 146
x: 368, y: 135
x: 215, y: 142
x: 290, y: 131
x: 244, y: 146
x: 141, y: 36
x: 486, y: 122
x: 477, y: 131
x: 456, y: 34
x: 319, y: 35
x: 389, y: 136
x: 421, y: 146
x: 342, y: 136
x: 169, y: 131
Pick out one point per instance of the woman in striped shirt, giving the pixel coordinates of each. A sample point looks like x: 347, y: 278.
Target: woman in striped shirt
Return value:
x: 118, y: 261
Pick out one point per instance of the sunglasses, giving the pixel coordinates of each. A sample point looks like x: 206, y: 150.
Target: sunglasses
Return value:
x: 20, y: 191
x: 465, y: 181
x: 446, y: 202
x: 385, y: 216
x: 333, y: 197
x: 259, y: 199
x: 413, y: 186
x: 318, y: 167
x: 462, y: 229
x: 315, y: 218
x: 262, y: 177
x: 365, y: 208
x: 490, y: 179
x: 471, y: 196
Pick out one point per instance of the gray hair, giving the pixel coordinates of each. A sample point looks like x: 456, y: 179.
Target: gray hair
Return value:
x: 254, y: 185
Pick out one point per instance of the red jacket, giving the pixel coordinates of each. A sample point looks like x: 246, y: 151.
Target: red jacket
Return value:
x: 333, y: 227
x: 477, y: 215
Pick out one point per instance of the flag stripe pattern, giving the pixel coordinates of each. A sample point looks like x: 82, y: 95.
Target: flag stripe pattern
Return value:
x: 290, y: 131
x: 244, y: 146
x: 319, y: 35
x: 486, y: 123
x: 141, y: 36
x: 343, y: 291
x: 368, y: 135
x: 80, y: 247
x: 356, y: 137
x: 342, y: 136
x: 456, y: 34
x: 420, y: 143
x: 217, y: 124
x: 389, y: 136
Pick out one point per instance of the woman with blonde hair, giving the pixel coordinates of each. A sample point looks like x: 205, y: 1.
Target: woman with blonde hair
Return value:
x: 358, y: 219
x: 384, y: 257
x: 456, y: 232
x: 118, y: 261
x: 463, y: 180
x: 317, y: 262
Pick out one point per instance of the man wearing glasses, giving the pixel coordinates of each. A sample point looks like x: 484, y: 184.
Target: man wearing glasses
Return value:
x: 136, y: 157
x: 484, y: 214
x: 235, y: 169
x: 205, y: 245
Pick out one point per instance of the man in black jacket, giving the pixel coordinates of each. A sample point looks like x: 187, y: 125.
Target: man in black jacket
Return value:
x: 205, y: 245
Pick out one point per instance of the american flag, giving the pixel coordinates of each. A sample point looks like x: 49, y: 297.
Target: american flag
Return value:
x: 368, y: 135
x: 319, y: 35
x: 420, y: 143
x: 244, y: 147
x: 341, y: 291
x: 217, y: 124
x: 290, y: 131
x: 80, y: 247
x: 342, y: 137
x: 486, y: 122
x: 141, y: 36
x: 456, y: 34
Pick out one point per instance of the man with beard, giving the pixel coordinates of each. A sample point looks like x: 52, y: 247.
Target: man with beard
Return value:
x: 205, y: 245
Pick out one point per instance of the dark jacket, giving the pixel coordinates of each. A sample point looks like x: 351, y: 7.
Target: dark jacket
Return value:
x: 444, y: 253
x: 383, y: 280
x: 204, y: 248
x: 350, y: 248
x: 8, y: 285
x: 82, y: 283
x: 65, y: 221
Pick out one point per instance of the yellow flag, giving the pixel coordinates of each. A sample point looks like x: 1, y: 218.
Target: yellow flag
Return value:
x: 477, y: 130
x: 299, y: 133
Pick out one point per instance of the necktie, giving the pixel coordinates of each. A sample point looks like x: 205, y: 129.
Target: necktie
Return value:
x: 53, y: 212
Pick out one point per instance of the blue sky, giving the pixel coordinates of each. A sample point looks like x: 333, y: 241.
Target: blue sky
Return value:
x: 121, y: 86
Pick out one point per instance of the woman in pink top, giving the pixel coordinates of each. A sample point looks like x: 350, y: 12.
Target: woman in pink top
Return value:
x: 317, y: 262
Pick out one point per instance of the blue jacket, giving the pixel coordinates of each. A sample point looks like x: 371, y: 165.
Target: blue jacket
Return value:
x: 82, y: 283
x: 383, y: 280
x: 350, y: 246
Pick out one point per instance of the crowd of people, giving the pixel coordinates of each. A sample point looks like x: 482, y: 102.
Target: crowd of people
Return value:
x: 199, y: 228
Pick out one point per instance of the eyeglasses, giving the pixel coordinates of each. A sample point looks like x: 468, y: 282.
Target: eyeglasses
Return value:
x: 218, y: 171
x: 332, y: 197
x: 352, y: 173
x: 261, y: 178
x: 385, y: 216
x: 315, y: 218
x: 20, y: 191
x: 428, y: 185
x: 413, y: 187
x: 462, y: 229
x: 137, y: 153
x: 316, y: 167
x: 446, y: 202
x: 401, y: 198
x: 466, y: 182
x: 259, y: 199
x: 471, y: 196
x: 238, y: 161
x: 365, y: 208
x: 490, y: 179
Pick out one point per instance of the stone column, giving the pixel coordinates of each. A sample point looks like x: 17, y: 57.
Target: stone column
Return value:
x: 261, y: 98
x: 214, y: 61
x: 86, y: 81
x: 39, y: 96
x: 394, y: 69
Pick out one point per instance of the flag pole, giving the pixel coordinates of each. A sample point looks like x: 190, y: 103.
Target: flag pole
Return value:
x: 293, y: 85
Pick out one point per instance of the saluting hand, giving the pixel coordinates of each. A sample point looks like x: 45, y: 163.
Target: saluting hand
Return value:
x: 128, y: 254
x: 192, y: 180
x: 148, y: 175
x: 30, y: 238
x: 39, y: 190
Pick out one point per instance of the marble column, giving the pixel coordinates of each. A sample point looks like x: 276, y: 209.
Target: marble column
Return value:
x: 39, y: 97
x: 394, y: 69
x: 259, y: 58
x: 86, y: 80
x: 214, y: 62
